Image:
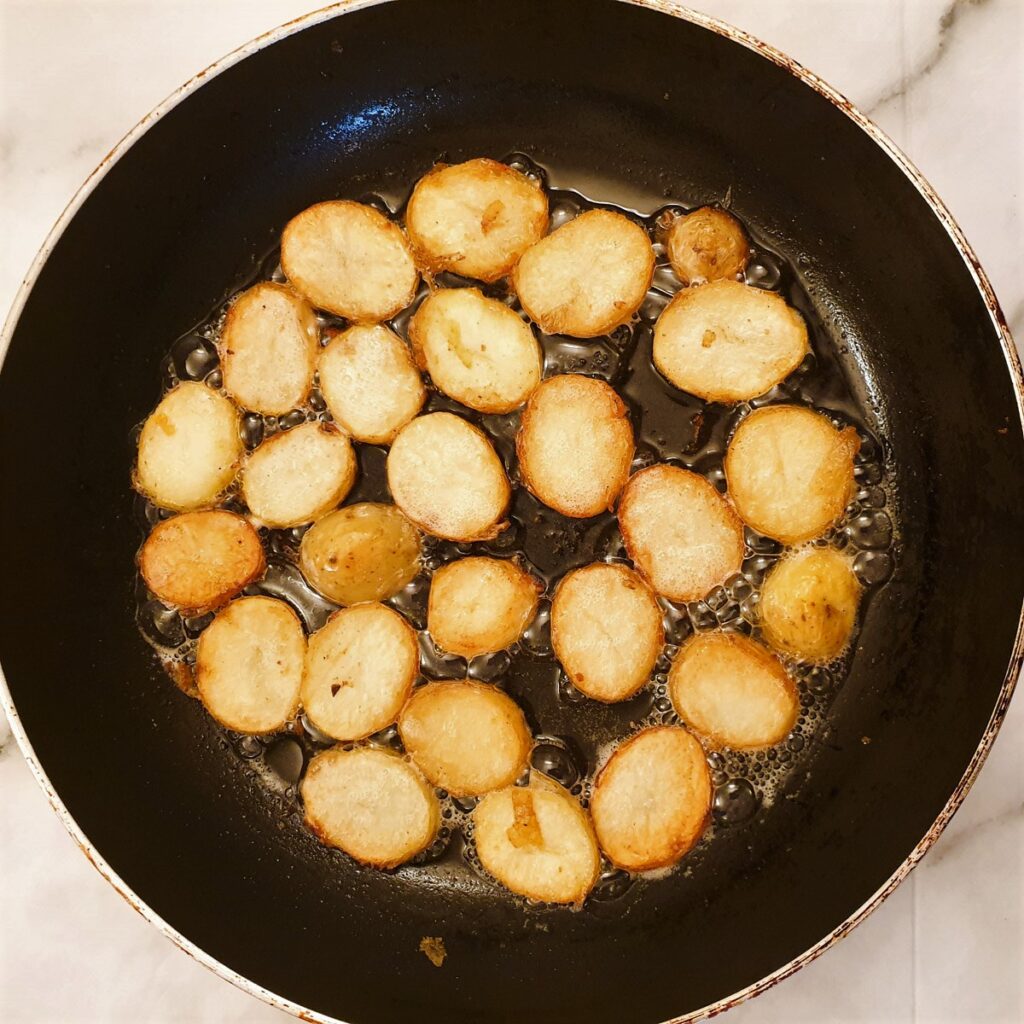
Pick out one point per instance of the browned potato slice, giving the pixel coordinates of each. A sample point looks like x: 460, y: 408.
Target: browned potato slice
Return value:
x: 299, y: 474
x: 586, y: 277
x: 249, y: 664
x: 809, y: 604
x: 359, y: 671
x: 480, y: 605
x: 606, y: 630
x: 349, y: 259
x: 679, y: 531
x: 476, y: 349
x: 475, y: 219
x: 445, y: 475
x: 370, y: 383
x: 466, y: 737
x: 707, y: 245
x: 733, y: 690
x: 652, y: 799
x: 370, y: 803
x: 199, y: 560
x: 189, y: 448
x: 575, y: 445
x: 790, y: 471
x: 364, y: 552
x: 268, y: 349
x: 727, y: 342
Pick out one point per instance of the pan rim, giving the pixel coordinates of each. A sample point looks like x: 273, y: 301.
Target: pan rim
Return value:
x: 672, y: 8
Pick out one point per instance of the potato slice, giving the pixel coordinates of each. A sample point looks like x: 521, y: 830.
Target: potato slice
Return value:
x: 370, y: 383
x: 575, y: 445
x: 477, y: 350
x: 445, y: 475
x: 189, y: 449
x: 268, y: 349
x: 359, y: 670
x: 707, y: 245
x: 652, y: 800
x: 197, y: 561
x: 364, y: 552
x: 537, y: 841
x: 606, y: 630
x: 475, y: 219
x: 679, y: 531
x: 733, y: 690
x: 297, y: 475
x: 809, y: 604
x: 370, y: 803
x: 586, y: 277
x: 727, y: 342
x: 249, y: 665
x: 480, y: 605
x: 349, y: 259
x: 790, y: 472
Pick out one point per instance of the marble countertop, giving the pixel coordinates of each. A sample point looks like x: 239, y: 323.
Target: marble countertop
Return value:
x: 944, y: 79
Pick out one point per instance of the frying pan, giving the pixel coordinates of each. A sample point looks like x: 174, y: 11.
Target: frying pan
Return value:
x: 634, y: 104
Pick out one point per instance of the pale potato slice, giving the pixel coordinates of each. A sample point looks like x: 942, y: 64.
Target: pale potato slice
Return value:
x: 606, y: 630
x: 575, y: 445
x: 733, y: 690
x: 370, y: 383
x: 370, y: 803
x: 445, y: 475
x: 480, y: 605
x: 707, y: 245
x: 198, y: 561
x: 363, y: 552
x: 586, y: 277
x: 679, y: 531
x: 249, y: 665
x: 475, y: 219
x: 652, y: 800
x: 349, y: 259
x: 790, y: 472
x: 476, y: 350
x: 537, y: 841
x: 809, y: 604
x: 359, y: 670
x: 299, y: 474
x: 268, y: 349
x: 189, y: 449
x: 727, y: 341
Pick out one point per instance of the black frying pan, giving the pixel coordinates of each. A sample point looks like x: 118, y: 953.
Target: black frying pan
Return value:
x: 631, y: 105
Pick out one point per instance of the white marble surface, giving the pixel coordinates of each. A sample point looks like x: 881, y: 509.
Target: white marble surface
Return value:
x: 944, y: 79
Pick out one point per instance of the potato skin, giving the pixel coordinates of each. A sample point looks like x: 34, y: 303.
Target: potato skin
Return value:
x: 707, y: 245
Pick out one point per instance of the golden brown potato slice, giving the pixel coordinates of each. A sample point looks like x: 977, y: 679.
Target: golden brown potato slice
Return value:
x: 476, y: 350
x: 679, y: 531
x: 370, y: 803
x: 198, y: 561
x: 349, y: 259
x: 575, y: 445
x: 733, y: 690
x: 475, y: 219
x: 299, y: 474
x: 445, y: 475
x: 652, y: 799
x: 790, y: 472
x: 249, y: 664
x: 480, y: 605
x: 370, y: 383
x: 189, y: 448
x: 359, y: 670
x: 727, y: 342
x: 606, y: 630
x: 268, y: 349
x: 707, y: 245
x: 586, y: 277
x: 364, y: 552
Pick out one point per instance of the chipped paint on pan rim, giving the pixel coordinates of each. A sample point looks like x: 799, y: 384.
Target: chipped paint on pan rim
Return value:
x: 673, y: 9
